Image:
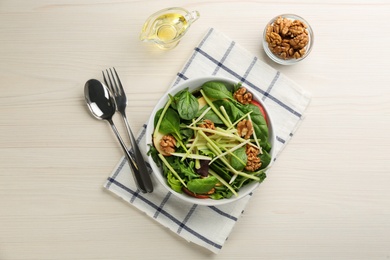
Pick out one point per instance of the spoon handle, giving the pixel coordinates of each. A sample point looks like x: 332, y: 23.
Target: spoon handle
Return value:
x: 139, y: 159
x: 136, y: 173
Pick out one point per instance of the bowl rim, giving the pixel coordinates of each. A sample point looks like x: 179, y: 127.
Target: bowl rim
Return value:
x: 157, y: 173
x: 309, y: 47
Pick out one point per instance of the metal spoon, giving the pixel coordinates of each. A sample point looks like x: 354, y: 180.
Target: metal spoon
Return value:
x: 102, y: 106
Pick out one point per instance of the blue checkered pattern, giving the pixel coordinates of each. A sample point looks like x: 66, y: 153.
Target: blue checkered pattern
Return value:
x: 210, y: 226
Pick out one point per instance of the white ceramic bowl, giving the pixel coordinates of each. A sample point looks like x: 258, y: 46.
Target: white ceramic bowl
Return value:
x: 194, y: 84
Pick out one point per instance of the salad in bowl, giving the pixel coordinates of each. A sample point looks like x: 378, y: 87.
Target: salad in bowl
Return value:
x: 210, y: 140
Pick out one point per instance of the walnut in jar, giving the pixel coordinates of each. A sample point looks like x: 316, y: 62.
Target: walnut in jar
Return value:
x: 287, y: 37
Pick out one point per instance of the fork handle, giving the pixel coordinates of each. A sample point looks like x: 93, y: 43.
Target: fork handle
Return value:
x: 136, y: 173
x: 140, y: 161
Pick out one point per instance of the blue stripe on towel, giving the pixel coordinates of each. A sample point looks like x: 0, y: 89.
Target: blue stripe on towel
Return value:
x: 236, y: 75
x: 181, y: 224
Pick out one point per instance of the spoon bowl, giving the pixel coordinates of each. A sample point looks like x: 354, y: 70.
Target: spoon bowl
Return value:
x: 99, y: 100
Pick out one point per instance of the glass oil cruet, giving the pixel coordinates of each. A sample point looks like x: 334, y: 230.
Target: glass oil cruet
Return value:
x: 166, y: 27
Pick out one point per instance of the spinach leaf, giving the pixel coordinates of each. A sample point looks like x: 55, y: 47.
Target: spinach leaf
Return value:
x: 187, y: 105
x: 216, y: 90
x: 239, y: 159
x: 186, y: 133
x: 265, y: 159
x: 173, y: 100
x: 157, y: 116
x: 267, y: 146
x: 237, y: 86
x: 201, y: 186
x: 259, y: 124
x: 170, y: 123
x: 234, y: 112
x: 210, y: 115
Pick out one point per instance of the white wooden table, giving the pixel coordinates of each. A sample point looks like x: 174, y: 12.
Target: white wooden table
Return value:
x: 327, y: 197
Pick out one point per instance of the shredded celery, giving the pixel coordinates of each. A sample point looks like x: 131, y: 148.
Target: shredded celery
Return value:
x: 197, y: 161
x: 229, y: 151
x: 157, y: 128
x: 214, y: 148
x: 192, y: 156
x: 254, y: 135
x: 223, y: 182
x: 241, y: 118
x: 216, y: 111
x: 222, y: 108
x: 191, y: 148
x: 201, y: 116
x: 233, y: 179
x: 218, y: 132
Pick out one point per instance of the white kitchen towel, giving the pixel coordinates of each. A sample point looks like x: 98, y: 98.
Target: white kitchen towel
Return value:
x: 207, y: 226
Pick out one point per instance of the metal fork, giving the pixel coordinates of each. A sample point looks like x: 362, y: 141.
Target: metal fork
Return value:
x: 141, y: 173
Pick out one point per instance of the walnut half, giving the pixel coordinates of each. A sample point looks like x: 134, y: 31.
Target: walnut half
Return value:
x: 243, y: 96
x: 245, y: 128
x: 253, y: 162
x: 207, y: 124
x: 168, y: 144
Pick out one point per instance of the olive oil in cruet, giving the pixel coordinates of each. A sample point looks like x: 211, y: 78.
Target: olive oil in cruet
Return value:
x: 168, y: 26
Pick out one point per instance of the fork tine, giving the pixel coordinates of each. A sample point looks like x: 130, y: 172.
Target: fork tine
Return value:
x: 119, y: 82
x: 105, y: 80
x: 113, y: 82
x: 109, y: 83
